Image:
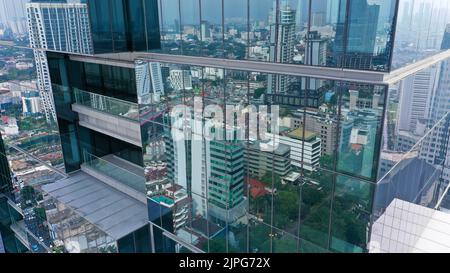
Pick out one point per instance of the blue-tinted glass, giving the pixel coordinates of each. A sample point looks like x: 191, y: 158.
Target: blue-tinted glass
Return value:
x: 100, y: 15
x: 360, y: 129
x: 121, y: 26
x: 261, y: 29
x: 352, y: 205
x: 192, y: 29
x: 236, y: 28
x: 170, y: 26
x: 212, y: 20
x: 369, y: 35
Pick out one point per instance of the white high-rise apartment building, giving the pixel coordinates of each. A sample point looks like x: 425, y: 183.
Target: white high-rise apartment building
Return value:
x: 284, y: 33
x: 416, y: 97
x: 434, y: 148
x: 157, y: 81
x: 149, y: 81
x: 62, y: 27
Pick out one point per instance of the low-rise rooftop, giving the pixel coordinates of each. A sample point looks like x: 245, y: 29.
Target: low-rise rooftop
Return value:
x: 300, y: 135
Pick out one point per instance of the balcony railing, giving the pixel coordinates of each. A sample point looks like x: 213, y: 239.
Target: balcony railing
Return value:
x: 115, y: 172
x: 107, y: 105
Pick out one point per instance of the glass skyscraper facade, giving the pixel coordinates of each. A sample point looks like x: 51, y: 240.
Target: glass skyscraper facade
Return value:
x: 347, y: 34
x: 248, y: 126
x: 8, y: 214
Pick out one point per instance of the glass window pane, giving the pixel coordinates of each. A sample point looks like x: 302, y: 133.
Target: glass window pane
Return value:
x: 170, y: 20
x: 236, y: 28
x: 369, y: 37
x: 260, y: 237
x: 212, y: 23
x: 325, y: 38
x: 285, y: 243
x: 360, y: 130
x: 191, y: 27
x: 261, y: 29
x: 352, y: 206
x: 316, y: 205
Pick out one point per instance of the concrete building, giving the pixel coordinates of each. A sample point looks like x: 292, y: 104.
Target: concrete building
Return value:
x: 31, y: 103
x: 318, y: 123
x: 305, y: 147
x: 260, y: 162
x: 181, y: 79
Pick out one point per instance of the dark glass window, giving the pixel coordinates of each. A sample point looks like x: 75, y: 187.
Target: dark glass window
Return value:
x: 124, y: 25
x: 356, y: 34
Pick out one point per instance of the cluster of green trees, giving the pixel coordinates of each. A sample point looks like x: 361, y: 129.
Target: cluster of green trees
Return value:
x: 31, y: 123
x: 14, y: 74
x: 348, y: 214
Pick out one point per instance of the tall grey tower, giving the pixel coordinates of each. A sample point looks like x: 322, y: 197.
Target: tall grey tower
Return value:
x: 68, y: 31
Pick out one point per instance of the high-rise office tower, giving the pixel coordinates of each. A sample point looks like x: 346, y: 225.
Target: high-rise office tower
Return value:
x: 145, y: 175
x: 435, y: 149
x: 56, y: 26
x: 212, y: 168
x: 319, y: 13
x: 226, y: 179
x: 12, y: 16
x: 359, y: 37
x: 316, y: 54
x: 31, y: 103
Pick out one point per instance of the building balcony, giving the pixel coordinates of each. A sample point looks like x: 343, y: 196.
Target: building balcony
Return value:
x: 181, y: 213
x: 118, y: 173
x: 181, y: 223
x: 110, y: 116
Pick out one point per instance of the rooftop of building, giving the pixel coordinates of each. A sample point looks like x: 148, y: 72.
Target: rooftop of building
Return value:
x: 280, y: 150
x: 301, y: 134
x: 174, y: 188
x: 393, y: 156
x: 406, y: 227
x: 257, y: 188
x: 164, y: 200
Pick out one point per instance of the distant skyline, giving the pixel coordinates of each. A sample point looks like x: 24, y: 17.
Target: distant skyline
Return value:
x: 11, y: 9
x: 259, y: 9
